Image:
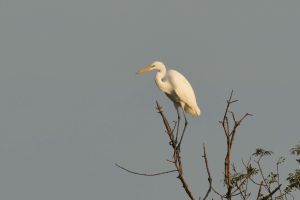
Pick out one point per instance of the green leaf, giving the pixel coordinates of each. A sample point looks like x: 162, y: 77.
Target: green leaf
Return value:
x: 296, y: 150
x: 261, y: 152
x: 294, y: 180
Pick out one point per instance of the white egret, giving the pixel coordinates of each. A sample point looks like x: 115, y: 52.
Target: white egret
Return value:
x: 177, y: 88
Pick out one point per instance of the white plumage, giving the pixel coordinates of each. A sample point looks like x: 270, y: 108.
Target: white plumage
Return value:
x: 177, y: 88
x: 182, y: 93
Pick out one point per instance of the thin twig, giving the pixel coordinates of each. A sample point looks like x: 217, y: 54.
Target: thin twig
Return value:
x: 259, y: 190
x: 208, y: 173
x: 271, y: 194
x: 145, y: 174
x: 262, y: 175
x: 278, y: 178
x: 166, y: 123
x: 239, y: 187
x: 251, y: 179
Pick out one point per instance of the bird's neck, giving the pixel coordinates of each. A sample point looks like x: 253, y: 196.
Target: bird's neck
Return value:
x: 162, y: 84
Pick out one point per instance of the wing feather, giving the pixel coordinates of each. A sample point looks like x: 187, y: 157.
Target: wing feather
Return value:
x: 184, y: 92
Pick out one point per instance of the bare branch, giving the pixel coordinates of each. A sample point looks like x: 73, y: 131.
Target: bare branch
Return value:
x: 208, y: 173
x: 271, y: 194
x: 176, y: 152
x: 166, y: 123
x: 280, y: 160
x: 259, y: 190
x: 262, y: 175
x: 145, y: 174
x: 230, y: 134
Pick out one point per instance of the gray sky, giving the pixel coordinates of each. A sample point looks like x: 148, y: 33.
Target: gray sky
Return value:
x: 71, y: 104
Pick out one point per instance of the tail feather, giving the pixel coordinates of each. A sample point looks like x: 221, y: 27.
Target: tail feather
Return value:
x: 192, y: 111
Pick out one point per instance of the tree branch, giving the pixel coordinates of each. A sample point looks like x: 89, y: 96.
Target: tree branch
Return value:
x: 230, y: 134
x: 208, y: 173
x: 176, y: 152
x: 259, y: 190
x: 145, y: 174
x: 271, y: 194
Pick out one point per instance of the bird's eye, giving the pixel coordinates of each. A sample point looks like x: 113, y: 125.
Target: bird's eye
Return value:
x: 152, y: 66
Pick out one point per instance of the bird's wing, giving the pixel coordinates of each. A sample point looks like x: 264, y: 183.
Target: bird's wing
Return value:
x: 182, y: 88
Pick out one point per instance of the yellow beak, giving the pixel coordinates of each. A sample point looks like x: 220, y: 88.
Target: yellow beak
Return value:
x: 143, y: 70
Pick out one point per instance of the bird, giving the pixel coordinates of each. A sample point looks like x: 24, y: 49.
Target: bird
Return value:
x: 178, y: 90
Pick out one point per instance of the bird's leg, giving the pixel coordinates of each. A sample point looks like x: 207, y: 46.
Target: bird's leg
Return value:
x: 178, y: 121
x: 185, y: 125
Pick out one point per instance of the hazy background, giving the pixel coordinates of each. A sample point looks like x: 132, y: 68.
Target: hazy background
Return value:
x: 71, y: 104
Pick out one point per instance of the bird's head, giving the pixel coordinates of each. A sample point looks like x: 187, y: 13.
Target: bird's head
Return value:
x: 154, y: 66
